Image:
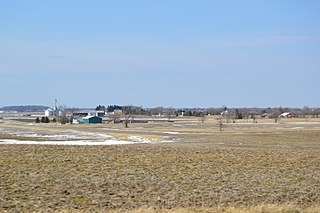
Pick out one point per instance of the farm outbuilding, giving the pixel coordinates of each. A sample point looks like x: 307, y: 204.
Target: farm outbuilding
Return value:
x: 92, y: 120
x: 49, y: 112
x: 287, y: 115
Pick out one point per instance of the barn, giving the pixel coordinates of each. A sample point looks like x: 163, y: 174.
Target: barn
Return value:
x: 287, y: 115
x: 92, y: 120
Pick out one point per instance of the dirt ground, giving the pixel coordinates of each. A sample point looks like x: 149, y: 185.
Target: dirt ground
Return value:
x: 184, y: 166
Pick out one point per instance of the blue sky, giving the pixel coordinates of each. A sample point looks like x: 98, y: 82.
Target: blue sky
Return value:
x: 177, y: 53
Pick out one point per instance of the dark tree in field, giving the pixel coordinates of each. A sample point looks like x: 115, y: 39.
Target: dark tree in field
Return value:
x: 71, y: 120
x: 127, y: 113
x: 45, y: 120
x: 37, y: 120
x: 63, y: 119
x: 238, y: 114
x: 220, y: 123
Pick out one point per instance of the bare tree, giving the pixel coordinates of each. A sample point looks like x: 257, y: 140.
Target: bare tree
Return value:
x: 220, y: 123
x: 170, y: 112
x: 225, y: 114
x: 202, y: 117
x: 306, y: 111
x: 316, y: 112
x: 157, y: 110
x: 274, y: 113
x: 127, y: 113
x: 116, y: 117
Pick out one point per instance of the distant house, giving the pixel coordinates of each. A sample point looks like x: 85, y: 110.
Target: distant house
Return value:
x: 92, y: 120
x: 100, y: 113
x: 286, y: 115
x: 115, y: 112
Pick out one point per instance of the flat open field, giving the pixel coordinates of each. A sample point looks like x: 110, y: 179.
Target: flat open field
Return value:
x: 183, y: 166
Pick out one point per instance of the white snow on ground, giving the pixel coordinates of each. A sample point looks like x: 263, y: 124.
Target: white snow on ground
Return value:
x: 72, y: 143
x: 172, y: 133
x: 58, y: 137
x: 138, y: 139
x: 67, y: 138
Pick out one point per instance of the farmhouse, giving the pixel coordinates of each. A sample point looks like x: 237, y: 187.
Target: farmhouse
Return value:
x: 100, y: 113
x: 92, y: 120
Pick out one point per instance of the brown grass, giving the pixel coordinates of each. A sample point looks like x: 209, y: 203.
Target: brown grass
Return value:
x: 252, y: 168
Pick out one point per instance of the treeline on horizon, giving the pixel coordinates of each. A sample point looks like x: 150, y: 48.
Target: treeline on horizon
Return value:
x: 238, y: 113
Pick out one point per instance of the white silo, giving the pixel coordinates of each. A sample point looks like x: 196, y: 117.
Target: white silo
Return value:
x: 55, y: 108
x: 48, y: 112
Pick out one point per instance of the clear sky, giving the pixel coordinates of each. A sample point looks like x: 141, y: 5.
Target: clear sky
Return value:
x: 177, y: 53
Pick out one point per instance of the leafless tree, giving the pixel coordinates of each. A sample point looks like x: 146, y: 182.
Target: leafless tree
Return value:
x: 306, y: 111
x: 116, y: 117
x: 274, y: 113
x: 202, y: 117
x: 220, y: 123
x: 225, y: 114
x: 127, y: 113
x: 157, y: 110
x: 316, y: 112
x: 170, y: 112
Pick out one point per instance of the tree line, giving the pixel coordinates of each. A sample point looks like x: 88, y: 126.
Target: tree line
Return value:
x: 235, y: 113
x: 60, y: 119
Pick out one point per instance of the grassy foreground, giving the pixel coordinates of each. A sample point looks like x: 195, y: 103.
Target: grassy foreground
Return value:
x: 244, y: 168
x: 166, y: 176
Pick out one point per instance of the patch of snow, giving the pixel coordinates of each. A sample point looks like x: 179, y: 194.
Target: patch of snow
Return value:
x: 221, y: 143
x: 62, y: 136
x: 167, y: 141
x: 138, y: 139
x: 172, y: 133
x: 70, y: 143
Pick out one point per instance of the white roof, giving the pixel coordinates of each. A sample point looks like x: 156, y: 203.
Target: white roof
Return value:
x: 91, y: 116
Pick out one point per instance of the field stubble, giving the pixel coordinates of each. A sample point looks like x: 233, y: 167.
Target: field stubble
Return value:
x: 237, y: 170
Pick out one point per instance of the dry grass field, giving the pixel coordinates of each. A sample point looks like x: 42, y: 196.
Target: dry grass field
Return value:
x: 183, y: 166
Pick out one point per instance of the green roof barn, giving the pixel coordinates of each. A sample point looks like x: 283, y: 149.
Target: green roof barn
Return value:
x: 92, y: 120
